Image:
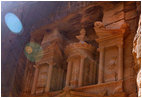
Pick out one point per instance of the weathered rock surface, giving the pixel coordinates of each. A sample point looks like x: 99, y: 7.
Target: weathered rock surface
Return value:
x: 137, y: 56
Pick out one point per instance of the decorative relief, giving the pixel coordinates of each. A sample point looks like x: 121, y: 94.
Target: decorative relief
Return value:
x: 111, y: 53
x: 44, y: 79
x: 81, y: 37
x: 77, y: 53
x: 112, y: 63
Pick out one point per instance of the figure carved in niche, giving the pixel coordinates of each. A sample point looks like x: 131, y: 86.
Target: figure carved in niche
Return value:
x: 81, y: 37
x: 112, y: 64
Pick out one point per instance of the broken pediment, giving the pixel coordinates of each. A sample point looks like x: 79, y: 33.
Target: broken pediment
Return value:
x: 52, y: 47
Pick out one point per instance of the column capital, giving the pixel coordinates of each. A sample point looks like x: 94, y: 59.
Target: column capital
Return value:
x: 83, y: 57
x: 51, y: 63
x: 120, y: 44
x: 36, y: 66
x: 69, y: 59
x: 100, y: 49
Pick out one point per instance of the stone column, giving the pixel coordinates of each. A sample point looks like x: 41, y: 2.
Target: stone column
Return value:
x: 120, y: 62
x: 101, y: 65
x: 68, y: 72
x: 91, y: 72
x: 50, y: 69
x: 80, y: 81
x: 35, y: 79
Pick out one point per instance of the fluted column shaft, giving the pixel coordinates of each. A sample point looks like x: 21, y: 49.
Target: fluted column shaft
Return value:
x: 35, y: 79
x: 101, y: 65
x: 80, y: 81
x: 68, y: 73
x: 50, y: 69
x: 120, y: 62
x: 91, y: 72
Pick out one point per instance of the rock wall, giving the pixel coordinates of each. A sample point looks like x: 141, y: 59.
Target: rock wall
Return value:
x: 137, y: 56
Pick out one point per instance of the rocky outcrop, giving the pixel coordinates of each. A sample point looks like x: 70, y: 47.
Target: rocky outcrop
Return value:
x: 137, y: 56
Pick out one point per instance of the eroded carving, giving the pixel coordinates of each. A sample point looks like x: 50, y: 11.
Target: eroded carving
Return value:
x: 112, y: 63
x: 81, y: 37
x: 77, y: 54
x: 44, y: 78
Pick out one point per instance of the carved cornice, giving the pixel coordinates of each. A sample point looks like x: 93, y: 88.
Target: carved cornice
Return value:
x: 81, y: 47
x: 106, y: 34
x: 97, y: 91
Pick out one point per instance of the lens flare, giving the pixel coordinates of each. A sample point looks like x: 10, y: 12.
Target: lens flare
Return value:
x: 28, y: 49
x: 33, y: 52
x: 13, y: 23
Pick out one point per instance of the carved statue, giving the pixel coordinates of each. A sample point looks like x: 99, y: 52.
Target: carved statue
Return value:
x: 111, y: 66
x: 81, y: 37
x: 112, y: 63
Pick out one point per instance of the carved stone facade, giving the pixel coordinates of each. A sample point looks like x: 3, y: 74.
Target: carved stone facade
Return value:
x: 81, y: 76
x: 80, y: 62
x: 111, y: 52
x: 48, y: 71
x: 75, y: 68
x: 87, y: 49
